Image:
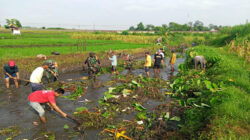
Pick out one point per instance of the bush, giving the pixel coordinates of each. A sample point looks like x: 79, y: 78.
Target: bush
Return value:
x: 125, y: 32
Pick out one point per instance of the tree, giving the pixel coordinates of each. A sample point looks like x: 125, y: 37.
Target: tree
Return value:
x: 150, y: 27
x: 140, y: 27
x: 13, y: 23
x: 131, y: 28
x: 198, y: 25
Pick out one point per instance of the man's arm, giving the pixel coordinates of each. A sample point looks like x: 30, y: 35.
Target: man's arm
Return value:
x: 58, y: 109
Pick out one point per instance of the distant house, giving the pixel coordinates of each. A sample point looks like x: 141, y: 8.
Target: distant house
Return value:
x: 16, y: 32
x: 214, y: 30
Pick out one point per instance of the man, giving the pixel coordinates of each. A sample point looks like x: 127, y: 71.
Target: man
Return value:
x: 93, y: 65
x: 45, y: 96
x: 158, y: 60
x: 113, y: 63
x: 129, y: 62
x: 51, y: 71
x: 11, y: 71
x: 201, y: 60
x: 147, y: 64
x: 162, y: 53
x: 36, y: 77
x: 172, y: 60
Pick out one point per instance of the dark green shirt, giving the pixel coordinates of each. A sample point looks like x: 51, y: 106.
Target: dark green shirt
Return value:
x: 10, y: 70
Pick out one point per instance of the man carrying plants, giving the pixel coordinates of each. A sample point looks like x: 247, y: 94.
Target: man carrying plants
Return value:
x: 93, y: 65
x: 36, y: 77
x: 147, y: 64
x: 201, y: 60
x: 113, y: 63
x: 51, y: 72
x: 11, y: 71
x: 48, y: 97
x: 158, y: 61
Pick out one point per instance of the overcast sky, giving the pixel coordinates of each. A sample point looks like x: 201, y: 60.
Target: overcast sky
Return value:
x: 117, y: 14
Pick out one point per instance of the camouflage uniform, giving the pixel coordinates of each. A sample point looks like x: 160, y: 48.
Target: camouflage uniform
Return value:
x: 52, y: 66
x: 93, y: 68
x: 129, y: 62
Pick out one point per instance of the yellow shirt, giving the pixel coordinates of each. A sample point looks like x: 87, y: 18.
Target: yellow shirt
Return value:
x: 173, y: 59
x: 148, y: 61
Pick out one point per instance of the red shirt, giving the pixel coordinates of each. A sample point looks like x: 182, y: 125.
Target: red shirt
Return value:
x: 42, y: 96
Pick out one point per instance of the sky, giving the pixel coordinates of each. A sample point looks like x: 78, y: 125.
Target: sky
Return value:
x: 121, y: 14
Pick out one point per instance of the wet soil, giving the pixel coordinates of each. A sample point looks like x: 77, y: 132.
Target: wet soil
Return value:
x: 15, y: 110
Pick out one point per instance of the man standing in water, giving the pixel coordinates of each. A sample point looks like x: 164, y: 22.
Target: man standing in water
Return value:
x: 45, y: 96
x: 158, y: 60
x: 147, y: 64
x: 36, y: 77
x: 11, y: 71
x: 172, y: 60
x: 113, y: 63
x: 94, y: 65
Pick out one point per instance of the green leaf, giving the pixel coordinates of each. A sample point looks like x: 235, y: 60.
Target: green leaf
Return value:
x: 197, y: 93
x: 106, y: 114
x: 175, y: 118
x: 80, y: 109
x: 139, y: 107
x: 142, y: 115
x: 66, y: 126
x: 167, y: 115
x: 202, y: 104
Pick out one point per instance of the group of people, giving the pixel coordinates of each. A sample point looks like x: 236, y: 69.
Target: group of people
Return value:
x: 40, y: 95
x: 158, y: 61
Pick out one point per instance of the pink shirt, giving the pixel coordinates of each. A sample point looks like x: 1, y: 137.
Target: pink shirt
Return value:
x: 42, y: 96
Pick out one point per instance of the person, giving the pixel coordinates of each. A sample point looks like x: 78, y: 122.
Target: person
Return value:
x: 147, y: 64
x: 162, y: 53
x: 93, y: 65
x: 11, y: 71
x: 45, y: 96
x: 158, y: 41
x: 129, y: 62
x: 36, y: 77
x: 193, y: 44
x: 172, y: 60
x: 201, y: 60
x: 113, y: 63
x: 51, y: 72
x: 158, y: 60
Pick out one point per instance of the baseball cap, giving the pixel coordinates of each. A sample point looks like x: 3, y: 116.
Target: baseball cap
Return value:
x: 11, y: 63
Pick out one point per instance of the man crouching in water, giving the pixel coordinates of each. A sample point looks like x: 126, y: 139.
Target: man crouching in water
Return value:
x: 45, y: 96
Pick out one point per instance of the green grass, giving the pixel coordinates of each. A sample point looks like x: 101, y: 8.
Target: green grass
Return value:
x: 31, y: 43
x: 228, y: 118
x: 17, y: 52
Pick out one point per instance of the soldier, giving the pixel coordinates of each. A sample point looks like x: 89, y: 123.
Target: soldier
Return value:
x: 93, y: 65
x: 129, y: 62
x: 52, y: 72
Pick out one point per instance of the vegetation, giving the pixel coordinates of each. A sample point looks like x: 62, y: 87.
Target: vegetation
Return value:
x: 217, y: 100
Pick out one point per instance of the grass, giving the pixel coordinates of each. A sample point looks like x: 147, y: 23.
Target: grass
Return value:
x: 228, y: 117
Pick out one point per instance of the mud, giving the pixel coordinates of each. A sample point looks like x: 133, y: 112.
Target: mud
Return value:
x: 15, y: 110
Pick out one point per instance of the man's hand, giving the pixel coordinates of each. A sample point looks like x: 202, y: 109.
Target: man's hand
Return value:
x: 64, y: 115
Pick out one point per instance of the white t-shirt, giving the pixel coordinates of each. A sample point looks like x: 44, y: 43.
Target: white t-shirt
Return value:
x: 37, y: 75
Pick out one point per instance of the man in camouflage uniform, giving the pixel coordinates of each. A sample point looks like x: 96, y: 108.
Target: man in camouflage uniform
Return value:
x: 129, y: 62
x: 52, y: 71
x: 93, y: 65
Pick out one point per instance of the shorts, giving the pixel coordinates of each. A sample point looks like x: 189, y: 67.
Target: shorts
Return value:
x: 157, y: 66
x: 37, y: 106
x: 114, y: 68
x: 7, y: 77
x: 36, y: 87
x: 146, y: 69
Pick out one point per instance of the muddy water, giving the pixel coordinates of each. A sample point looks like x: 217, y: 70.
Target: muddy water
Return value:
x: 14, y: 109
